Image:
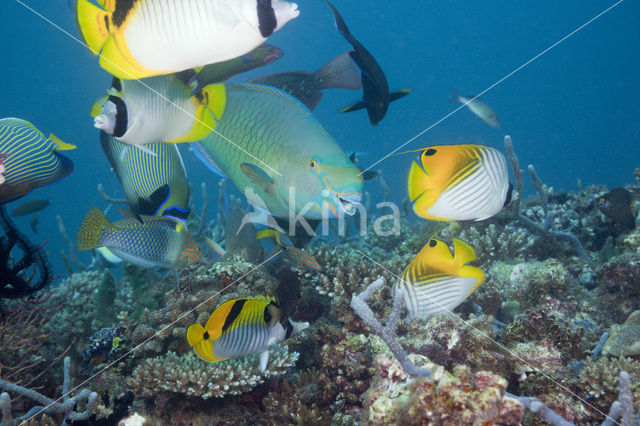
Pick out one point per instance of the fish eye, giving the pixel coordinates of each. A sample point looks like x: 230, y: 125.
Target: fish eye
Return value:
x: 313, y: 164
x: 430, y: 152
x: 432, y: 243
x: 206, y: 335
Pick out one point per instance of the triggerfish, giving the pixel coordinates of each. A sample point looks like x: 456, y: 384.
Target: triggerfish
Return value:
x: 158, y: 109
x: 242, y: 327
x: 435, y: 281
x: 616, y: 204
x: 154, y: 183
x: 459, y: 182
x: 299, y: 258
x: 143, y: 38
x: 479, y: 108
x: 273, y: 149
x: 375, y: 89
x: 157, y: 241
x: 339, y: 73
x: 222, y: 71
x: 31, y: 159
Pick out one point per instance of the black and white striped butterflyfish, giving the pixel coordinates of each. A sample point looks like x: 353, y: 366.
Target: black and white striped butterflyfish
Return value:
x: 30, y: 159
x: 158, y: 109
x: 459, y: 182
x: 242, y: 327
x: 436, y: 281
x: 144, y: 38
x: 154, y: 184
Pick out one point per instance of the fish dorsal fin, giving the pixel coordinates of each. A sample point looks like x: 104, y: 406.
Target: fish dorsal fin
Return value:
x: 274, y: 91
x: 633, y: 319
x: 271, y: 314
x: 60, y: 145
x: 257, y: 175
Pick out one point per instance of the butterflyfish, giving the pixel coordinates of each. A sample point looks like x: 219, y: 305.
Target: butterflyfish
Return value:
x: 242, y: 327
x: 479, y: 108
x: 144, y: 38
x: 459, y: 182
x: 31, y: 159
x: 154, y: 183
x: 158, y: 109
x: 157, y: 241
x: 297, y: 256
x: 437, y: 281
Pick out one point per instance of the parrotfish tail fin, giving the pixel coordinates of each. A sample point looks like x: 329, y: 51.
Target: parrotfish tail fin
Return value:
x: 269, y: 233
x: 339, y: 73
x: 202, y: 347
x: 399, y: 94
x: 355, y: 107
x: 93, y: 227
x: 60, y: 145
x: 463, y: 252
x: 93, y: 24
x: 455, y: 98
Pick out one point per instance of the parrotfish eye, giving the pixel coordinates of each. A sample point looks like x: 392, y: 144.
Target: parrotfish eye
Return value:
x: 430, y: 152
x: 313, y: 164
x: 432, y: 243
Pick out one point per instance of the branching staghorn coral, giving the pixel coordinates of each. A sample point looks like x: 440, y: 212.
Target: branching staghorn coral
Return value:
x: 492, y: 242
x: 49, y: 406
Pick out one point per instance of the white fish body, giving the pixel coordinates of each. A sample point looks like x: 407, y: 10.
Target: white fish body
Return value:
x: 480, y: 109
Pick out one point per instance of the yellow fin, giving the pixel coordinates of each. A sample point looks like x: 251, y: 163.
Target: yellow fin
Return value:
x: 215, y: 99
x: 269, y: 233
x: 195, y: 334
x: 416, y: 181
x: 201, y: 128
x: 60, y: 145
x: 217, y: 319
x: 201, y: 346
x: 92, y: 22
x: 463, y: 252
x: 96, y: 108
x: 91, y: 230
x: 115, y: 62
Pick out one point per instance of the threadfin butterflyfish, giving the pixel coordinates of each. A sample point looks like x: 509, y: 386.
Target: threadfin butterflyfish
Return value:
x: 158, y: 109
x: 479, y: 108
x: 307, y: 87
x: 459, y: 182
x: 435, y: 281
x: 299, y: 258
x: 242, y: 327
x: 157, y: 241
x: 31, y: 159
x: 155, y: 183
x: 144, y: 38
x: 267, y: 162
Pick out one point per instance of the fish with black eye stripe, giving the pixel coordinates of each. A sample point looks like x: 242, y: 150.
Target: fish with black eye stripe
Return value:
x: 242, y: 327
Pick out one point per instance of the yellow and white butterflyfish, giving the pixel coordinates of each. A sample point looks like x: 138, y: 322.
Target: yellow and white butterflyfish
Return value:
x: 144, y: 38
x: 242, y: 327
x: 436, y: 281
x: 158, y: 109
x: 459, y: 182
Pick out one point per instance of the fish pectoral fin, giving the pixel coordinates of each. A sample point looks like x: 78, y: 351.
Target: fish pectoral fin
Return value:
x: 354, y: 107
x: 463, y: 252
x: 399, y: 94
x: 264, y: 360
x: 257, y: 175
x: 60, y: 145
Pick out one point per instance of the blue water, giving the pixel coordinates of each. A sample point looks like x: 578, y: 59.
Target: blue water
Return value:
x: 573, y: 112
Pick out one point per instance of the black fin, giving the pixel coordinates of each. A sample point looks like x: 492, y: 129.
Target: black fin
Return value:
x: 399, y: 94
x: 233, y: 313
x: 509, y: 195
x: 355, y: 107
x: 116, y: 84
x: 266, y: 18
x: 149, y: 206
x: 368, y: 175
x: 121, y: 116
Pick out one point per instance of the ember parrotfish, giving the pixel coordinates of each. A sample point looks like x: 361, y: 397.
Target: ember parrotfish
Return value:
x: 31, y: 160
x: 158, y: 109
x: 478, y: 107
x: 242, y: 327
x: 339, y: 73
x: 222, y: 71
x: 157, y: 241
x: 273, y: 150
x: 155, y: 183
x: 144, y: 38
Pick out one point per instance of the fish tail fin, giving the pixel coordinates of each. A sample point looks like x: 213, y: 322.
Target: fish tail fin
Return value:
x: 60, y: 145
x: 268, y: 233
x: 92, y: 229
x: 400, y: 93
x: 340, y: 73
x: 455, y: 97
x: 93, y: 23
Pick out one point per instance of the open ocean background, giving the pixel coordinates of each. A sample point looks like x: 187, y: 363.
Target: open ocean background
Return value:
x: 573, y: 112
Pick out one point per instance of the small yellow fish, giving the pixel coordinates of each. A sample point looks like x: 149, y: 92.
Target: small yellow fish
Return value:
x: 459, y: 182
x: 242, y: 327
x: 435, y: 281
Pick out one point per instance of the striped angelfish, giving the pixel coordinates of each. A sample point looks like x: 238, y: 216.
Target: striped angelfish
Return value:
x: 154, y: 184
x: 242, y: 327
x: 459, y: 182
x: 143, y: 38
x: 31, y: 160
x: 435, y: 281
x: 155, y: 242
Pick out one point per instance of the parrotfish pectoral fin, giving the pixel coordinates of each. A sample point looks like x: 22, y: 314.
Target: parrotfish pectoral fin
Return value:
x: 264, y: 360
x: 92, y: 22
x: 91, y: 230
x: 355, y: 107
x: 463, y: 252
x: 60, y: 145
x: 201, y: 153
x: 399, y: 94
x: 257, y: 175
